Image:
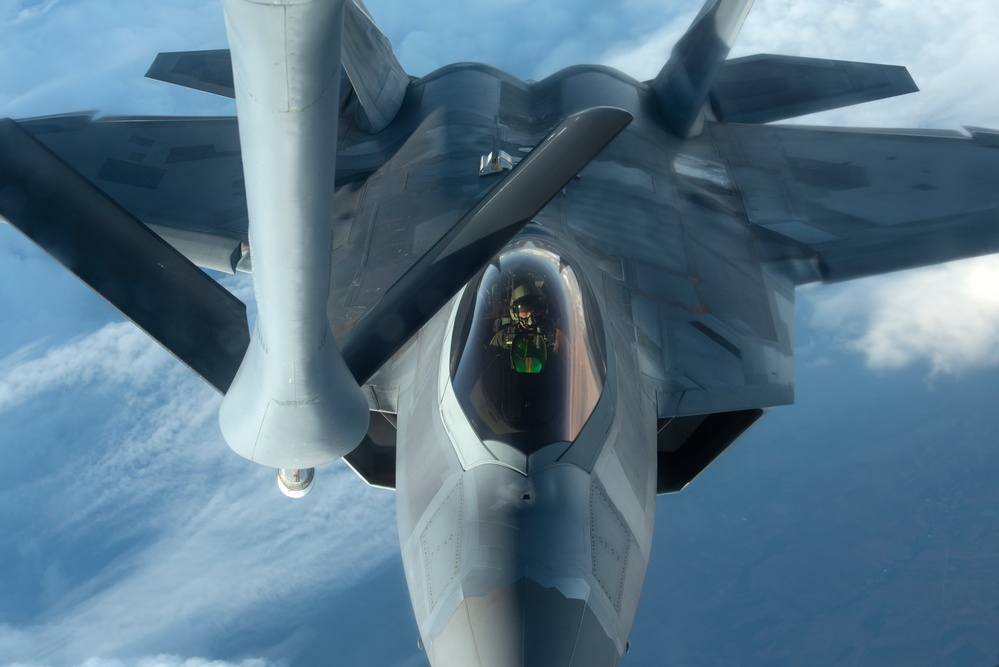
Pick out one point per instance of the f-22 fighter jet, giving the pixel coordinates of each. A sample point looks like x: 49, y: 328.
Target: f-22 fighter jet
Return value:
x: 528, y: 307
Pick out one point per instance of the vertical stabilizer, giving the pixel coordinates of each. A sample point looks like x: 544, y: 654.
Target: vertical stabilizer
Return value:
x: 378, y: 79
x: 683, y: 85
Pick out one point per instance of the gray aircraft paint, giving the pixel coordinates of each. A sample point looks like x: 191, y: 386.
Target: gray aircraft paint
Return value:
x: 691, y: 248
x: 293, y: 403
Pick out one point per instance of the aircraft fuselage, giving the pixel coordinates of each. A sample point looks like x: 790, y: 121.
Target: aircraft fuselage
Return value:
x: 532, y: 549
x: 520, y: 551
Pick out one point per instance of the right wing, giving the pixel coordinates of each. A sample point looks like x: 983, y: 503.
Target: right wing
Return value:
x: 111, y: 251
x: 182, y: 177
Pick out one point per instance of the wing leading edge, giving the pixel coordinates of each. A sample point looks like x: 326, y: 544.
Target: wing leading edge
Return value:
x: 182, y: 177
x: 111, y: 251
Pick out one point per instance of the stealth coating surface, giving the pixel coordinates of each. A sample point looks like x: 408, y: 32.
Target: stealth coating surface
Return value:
x: 209, y: 71
x: 131, y: 267
x: 766, y: 88
x: 840, y: 204
x: 683, y: 85
x: 692, y: 234
x: 374, y: 74
x: 479, y: 235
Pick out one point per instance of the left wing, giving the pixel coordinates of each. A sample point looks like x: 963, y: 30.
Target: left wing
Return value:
x: 836, y: 204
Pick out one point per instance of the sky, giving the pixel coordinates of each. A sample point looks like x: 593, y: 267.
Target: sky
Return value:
x: 858, y: 527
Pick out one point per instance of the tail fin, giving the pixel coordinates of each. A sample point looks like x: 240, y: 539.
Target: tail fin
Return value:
x: 683, y: 85
x: 379, y: 81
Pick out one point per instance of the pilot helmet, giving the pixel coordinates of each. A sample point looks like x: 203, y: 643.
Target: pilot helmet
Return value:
x: 527, y: 305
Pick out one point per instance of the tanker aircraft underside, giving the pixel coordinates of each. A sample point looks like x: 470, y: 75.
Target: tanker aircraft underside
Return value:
x: 528, y: 307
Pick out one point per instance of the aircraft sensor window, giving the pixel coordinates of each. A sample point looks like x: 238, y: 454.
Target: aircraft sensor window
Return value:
x: 530, y: 366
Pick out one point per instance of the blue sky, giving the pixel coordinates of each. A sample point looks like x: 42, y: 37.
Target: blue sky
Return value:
x: 857, y: 527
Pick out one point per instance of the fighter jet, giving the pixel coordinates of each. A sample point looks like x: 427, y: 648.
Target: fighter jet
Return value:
x: 528, y: 307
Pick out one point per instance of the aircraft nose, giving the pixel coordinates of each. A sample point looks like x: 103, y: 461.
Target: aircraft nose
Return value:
x: 523, y: 625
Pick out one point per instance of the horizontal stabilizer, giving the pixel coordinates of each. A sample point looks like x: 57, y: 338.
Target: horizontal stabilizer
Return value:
x: 379, y: 81
x: 765, y: 88
x: 121, y: 259
x: 450, y: 263
x: 369, y: 68
x: 207, y: 71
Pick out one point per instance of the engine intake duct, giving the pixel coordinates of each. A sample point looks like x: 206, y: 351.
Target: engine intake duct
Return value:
x: 687, y: 445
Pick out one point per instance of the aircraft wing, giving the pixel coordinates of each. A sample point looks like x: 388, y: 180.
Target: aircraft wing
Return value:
x: 837, y: 204
x: 110, y: 250
x: 825, y: 205
x: 182, y: 177
x: 667, y: 238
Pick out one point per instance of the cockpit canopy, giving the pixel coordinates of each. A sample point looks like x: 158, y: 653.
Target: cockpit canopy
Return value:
x: 529, y: 360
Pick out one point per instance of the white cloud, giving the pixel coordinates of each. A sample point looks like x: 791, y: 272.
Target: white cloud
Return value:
x: 30, y: 10
x: 951, y: 54
x: 164, y: 661
x: 117, y: 351
x: 950, y: 51
x: 644, y: 60
x: 174, y: 661
x: 946, y: 316
x: 194, y: 542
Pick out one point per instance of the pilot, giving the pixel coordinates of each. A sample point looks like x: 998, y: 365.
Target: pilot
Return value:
x: 528, y: 311
x: 526, y: 306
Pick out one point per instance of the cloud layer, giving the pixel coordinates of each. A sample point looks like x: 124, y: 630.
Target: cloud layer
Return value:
x: 165, y: 661
x: 947, y: 316
x: 148, y: 511
x: 117, y: 352
x: 944, y: 316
